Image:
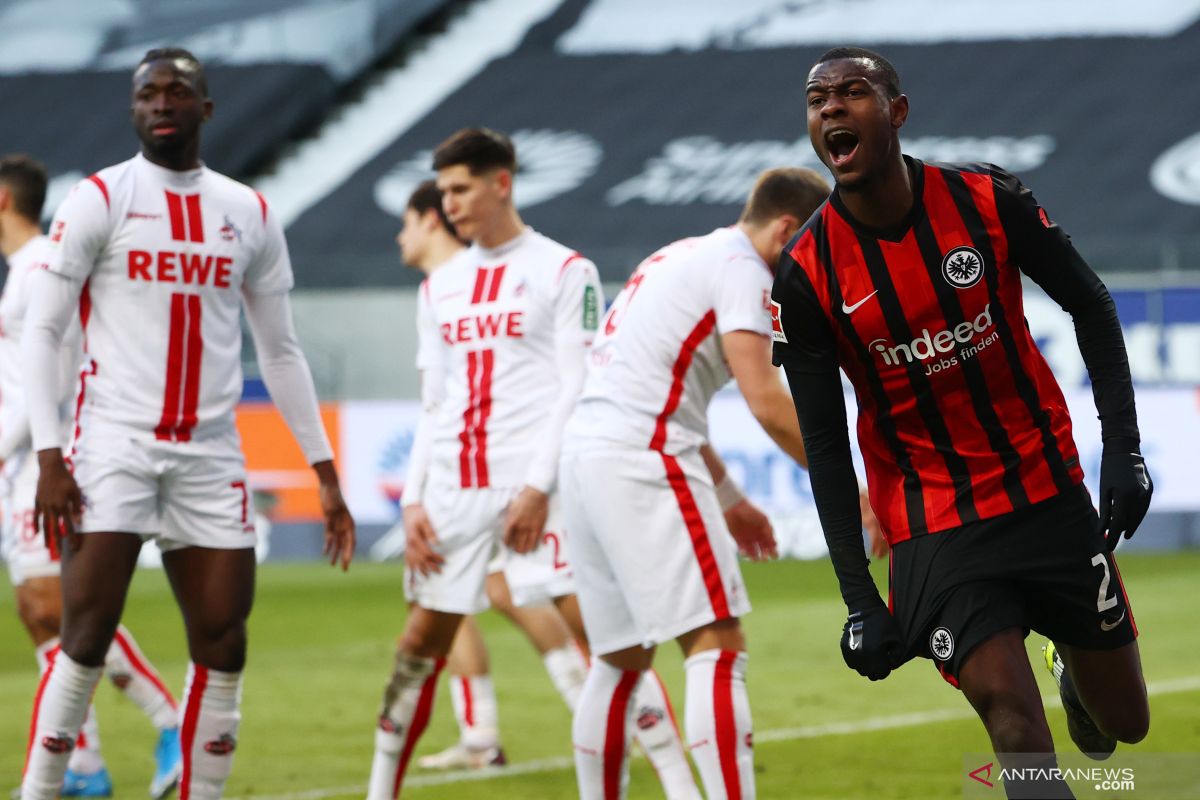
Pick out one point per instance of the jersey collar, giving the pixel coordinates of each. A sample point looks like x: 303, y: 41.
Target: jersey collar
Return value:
x: 184, y: 179
x: 897, y: 232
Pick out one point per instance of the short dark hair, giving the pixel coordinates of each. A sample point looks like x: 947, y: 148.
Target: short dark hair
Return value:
x: 885, y: 73
x: 25, y: 177
x: 479, y: 149
x: 786, y: 190
x: 428, y: 197
x: 178, y: 54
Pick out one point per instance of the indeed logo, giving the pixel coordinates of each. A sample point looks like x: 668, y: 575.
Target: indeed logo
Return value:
x: 929, y: 345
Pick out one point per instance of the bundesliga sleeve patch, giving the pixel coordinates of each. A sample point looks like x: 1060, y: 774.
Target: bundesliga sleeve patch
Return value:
x: 591, y: 313
x: 777, y: 323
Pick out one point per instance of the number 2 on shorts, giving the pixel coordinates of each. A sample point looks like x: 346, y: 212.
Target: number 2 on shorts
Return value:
x: 1103, y: 603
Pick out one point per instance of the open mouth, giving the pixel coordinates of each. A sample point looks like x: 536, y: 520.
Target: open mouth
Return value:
x: 841, y: 144
x: 163, y: 129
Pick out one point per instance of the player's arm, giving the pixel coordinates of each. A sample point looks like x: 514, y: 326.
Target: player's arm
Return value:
x: 420, y: 551
x: 748, y: 354
x: 578, y: 303
x: 286, y: 374
x: 289, y: 382
x: 748, y: 525
x: 78, y: 235
x: 806, y: 350
x: 1044, y: 252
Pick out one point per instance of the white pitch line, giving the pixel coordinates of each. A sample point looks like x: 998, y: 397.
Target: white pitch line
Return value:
x: 1173, y: 686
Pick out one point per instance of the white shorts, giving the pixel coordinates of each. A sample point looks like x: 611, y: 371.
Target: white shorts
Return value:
x: 24, y: 546
x: 652, y: 555
x: 161, y: 490
x: 469, y: 524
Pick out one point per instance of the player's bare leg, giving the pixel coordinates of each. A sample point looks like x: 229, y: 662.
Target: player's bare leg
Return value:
x: 553, y: 632
x: 1111, y: 688
x: 95, y: 581
x: 39, y: 605
x: 215, y: 592
x: 998, y: 681
x: 408, y: 697
x: 474, y: 699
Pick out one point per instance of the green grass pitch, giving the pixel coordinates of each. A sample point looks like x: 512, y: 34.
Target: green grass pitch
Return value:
x: 321, y: 646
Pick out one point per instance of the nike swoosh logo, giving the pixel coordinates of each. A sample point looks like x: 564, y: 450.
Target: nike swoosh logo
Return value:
x: 1108, y: 626
x: 851, y: 309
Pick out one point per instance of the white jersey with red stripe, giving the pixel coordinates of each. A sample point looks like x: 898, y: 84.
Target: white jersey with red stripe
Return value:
x: 165, y: 257
x: 657, y: 358
x: 495, y: 323
x: 14, y: 302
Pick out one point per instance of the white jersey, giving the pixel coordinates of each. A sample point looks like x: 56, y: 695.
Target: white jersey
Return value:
x: 14, y: 303
x: 657, y: 358
x: 165, y: 257
x: 502, y: 326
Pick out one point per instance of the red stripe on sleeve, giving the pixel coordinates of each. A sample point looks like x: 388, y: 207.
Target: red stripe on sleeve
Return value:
x: 570, y: 260
x: 726, y: 724
x: 103, y: 187
x: 194, y: 218
x: 170, y: 414
x: 703, y: 328
x: 614, y: 735
x: 187, y: 732
x: 175, y: 212
x: 262, y: 201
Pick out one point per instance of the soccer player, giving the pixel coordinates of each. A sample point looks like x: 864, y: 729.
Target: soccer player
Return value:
x: 427, y: 240
x: 504, y: 328
x: 159, y: 254
x: 32, y: 566
x: 909, y: 279
x: 648, y: 502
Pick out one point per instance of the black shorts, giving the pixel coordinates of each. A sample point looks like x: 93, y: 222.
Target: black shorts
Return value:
x: 1043, y: 568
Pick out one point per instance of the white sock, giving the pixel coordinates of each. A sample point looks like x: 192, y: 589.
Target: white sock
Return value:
x: 134, y: 675
x: 63, y: 697
x: 568, y: 670
x: 474, y: 700
x: 208, y: 735
x: 601, y: 730
x: 656, y: 731
x: 85, y: 758
x: 718, y: 723
x: 407, y: 704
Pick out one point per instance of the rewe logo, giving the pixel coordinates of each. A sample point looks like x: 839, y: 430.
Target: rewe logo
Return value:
x: 929, y: 345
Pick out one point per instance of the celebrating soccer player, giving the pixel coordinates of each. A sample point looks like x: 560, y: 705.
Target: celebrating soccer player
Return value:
x: 909, y: 279
x: 504, y: 327
x: 159, y: 254
x: 648, y: 502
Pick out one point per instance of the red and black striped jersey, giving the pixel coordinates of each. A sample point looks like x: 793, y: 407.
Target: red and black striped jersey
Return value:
x: 960, y: 418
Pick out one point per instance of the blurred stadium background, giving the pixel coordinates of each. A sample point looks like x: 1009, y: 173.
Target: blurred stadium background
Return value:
x: 636, y: 123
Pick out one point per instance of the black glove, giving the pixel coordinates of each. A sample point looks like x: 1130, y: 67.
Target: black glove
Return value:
x: 871, y: 643
x: 1125, y: 489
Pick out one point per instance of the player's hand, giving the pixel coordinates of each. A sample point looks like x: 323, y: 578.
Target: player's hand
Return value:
x: 1125, y: 489
x: 870, y: 523
x: 58, y: 504
x: 526, y: 520
x: 752, y: 531
x: 420, y: 541
x: 339, y: 525
x: 871, y: 643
